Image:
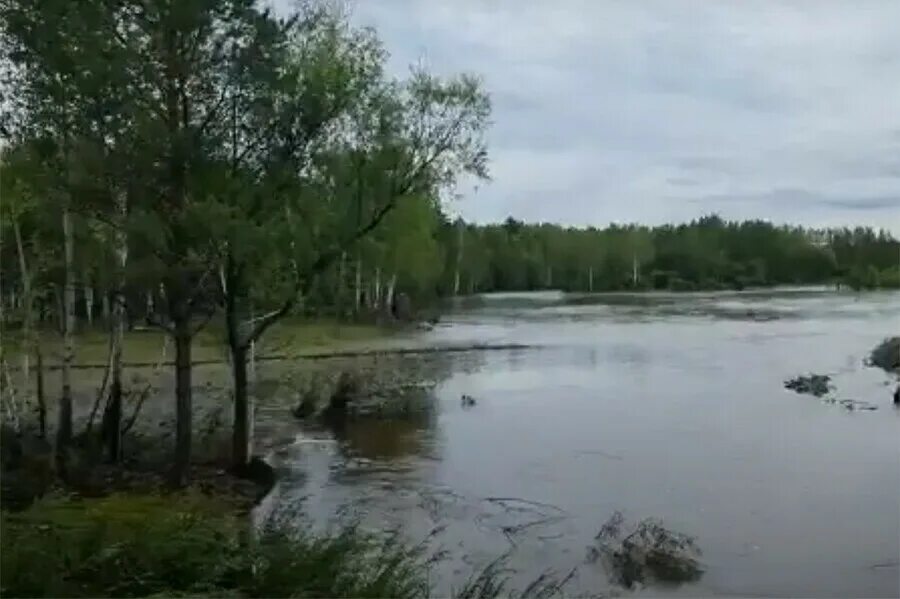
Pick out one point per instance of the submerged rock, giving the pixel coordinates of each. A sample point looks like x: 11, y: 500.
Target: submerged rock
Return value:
x: 814, y: 384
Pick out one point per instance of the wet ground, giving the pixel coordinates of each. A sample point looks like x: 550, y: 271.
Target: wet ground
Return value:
x: 662, y: 406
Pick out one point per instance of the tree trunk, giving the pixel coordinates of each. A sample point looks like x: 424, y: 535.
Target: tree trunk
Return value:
x: 113, y: 421
x: 150, y: 308
x: 459, y: 257
x: 41, y: 400
x: 28, y: 317
x: 591, y: 279
x: 89, y: 304
x: 60, y: 310
x: 104, y: 303
x: 389, y: 295
x: 183, y: 411
x: 358, y: 290
x: 242, y: 433
x: 376, y: 295
x: 339, y: 288
x: 64, y: 412
x: 242, y: 424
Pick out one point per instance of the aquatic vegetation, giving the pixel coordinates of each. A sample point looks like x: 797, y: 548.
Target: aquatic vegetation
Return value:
x: 814, y: 384
x: 647, y: 552
x: 886, y: 355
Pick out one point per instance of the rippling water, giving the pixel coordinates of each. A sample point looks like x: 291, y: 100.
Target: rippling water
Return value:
x: 656, y: 405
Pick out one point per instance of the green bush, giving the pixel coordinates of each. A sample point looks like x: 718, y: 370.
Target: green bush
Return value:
x: 188, y: 545
x: 890, y: 278
x: 138, y: 546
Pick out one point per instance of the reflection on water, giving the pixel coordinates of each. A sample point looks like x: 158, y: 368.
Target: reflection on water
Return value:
x: 653, y: 406
x: 388, y: 439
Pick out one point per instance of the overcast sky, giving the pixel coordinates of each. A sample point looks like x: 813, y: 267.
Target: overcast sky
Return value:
x: 664, y: 111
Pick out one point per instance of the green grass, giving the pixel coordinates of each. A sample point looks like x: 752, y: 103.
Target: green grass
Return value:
x: 291, y: 336
x: 188, y: 545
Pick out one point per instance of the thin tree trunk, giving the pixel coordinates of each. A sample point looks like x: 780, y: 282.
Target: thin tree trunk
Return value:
x: 459, y: 257
x: 358, y: 290
x: 41, y: 399
x: 376, y: 295
x: 28, y: 319
x: 591, y: 279
x: 12, y: 403
x: 252, y: 350
x: 60, y: 310
x: 389, y: 295
x: 243, y: 410
x: 64, y: 422
x: 242, y: 433
x: 89, y: 304
x: 104, y: 303
x: 113, y: 421
x: 339, y: 289
x: 183, y: 409
x: 150, y: 308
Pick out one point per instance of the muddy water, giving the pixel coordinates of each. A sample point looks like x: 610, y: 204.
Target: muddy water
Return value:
x: 664, y: 406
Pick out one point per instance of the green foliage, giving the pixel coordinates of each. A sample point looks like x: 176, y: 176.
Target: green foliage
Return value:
x: 706, y: 254
x: 136, y: 546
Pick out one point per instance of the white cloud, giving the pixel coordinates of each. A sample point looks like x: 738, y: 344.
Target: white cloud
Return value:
x: 614, y: 110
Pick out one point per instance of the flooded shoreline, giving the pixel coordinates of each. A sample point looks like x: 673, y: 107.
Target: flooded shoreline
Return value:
x: 669, y: 413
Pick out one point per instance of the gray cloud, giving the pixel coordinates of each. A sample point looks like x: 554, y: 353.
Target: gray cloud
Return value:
x: 657, y: 110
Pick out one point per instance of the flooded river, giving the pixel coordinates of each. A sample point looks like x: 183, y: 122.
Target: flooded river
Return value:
x: 663, y: 406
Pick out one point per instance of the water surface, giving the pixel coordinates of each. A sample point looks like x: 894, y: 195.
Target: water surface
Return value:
x: 656, y: 405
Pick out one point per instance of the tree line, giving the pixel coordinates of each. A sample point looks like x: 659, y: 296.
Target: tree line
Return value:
x: 423, y: 253
x: 705, y: 254
x: 203, y: 157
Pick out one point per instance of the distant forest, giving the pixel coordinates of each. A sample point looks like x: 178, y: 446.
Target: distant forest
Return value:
x: 432, y: 256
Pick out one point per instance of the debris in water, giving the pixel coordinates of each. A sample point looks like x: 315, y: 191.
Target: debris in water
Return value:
x: 886, y: 355
x: 855, y: 404
x: 648, y: 553
x: 467, y: 401
x: 814, y: 384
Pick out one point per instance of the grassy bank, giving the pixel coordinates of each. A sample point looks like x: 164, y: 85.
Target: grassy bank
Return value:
x: 144, y: 345
x: 188, y: 545
x: 192, y: 545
